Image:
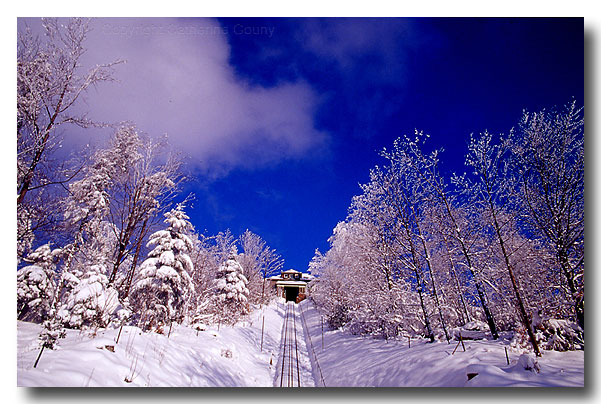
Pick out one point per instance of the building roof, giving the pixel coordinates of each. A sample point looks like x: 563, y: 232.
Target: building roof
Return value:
x: 291, y: 283
x: 291, y: 271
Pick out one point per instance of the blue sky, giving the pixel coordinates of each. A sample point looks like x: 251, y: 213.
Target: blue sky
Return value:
x: 379, y: 79
x: 280, y: 119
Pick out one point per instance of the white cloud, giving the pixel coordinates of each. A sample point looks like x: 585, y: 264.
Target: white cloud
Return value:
x: 178, y: 80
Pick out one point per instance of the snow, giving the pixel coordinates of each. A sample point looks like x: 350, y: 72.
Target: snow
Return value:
x: 167, y: 258
x: 351, y: 360
x: 230, y: 356
x: 166, y: 272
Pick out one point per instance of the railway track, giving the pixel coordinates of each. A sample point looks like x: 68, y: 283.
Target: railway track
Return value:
x: 290, y: 372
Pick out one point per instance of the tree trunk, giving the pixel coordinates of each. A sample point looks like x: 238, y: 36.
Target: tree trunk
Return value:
x: 24, y: 188
x: 419, y: 280
x: 481, y: 294
x: 436, y: 301
x: 479, y: 289
x: 456, y: 283
x: 130, y: 275
x: 567, y: 272
x: 522, y: 309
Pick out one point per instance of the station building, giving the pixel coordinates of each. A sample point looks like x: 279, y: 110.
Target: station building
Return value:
x: 291, y: 285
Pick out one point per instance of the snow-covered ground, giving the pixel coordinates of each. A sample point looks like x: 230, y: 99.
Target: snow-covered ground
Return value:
x: 230, y: 356
x: 350, y: 360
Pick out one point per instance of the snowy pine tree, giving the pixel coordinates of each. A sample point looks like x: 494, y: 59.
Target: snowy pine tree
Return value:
x: 231, y: 291
x: 164, y: 282
x: 91, y: 302
x: 36, y: 284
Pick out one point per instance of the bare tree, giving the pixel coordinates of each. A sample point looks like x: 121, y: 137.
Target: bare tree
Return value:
x: 141, y: 189
x: 460, y: 229
x: 411, y: 200
x: 258, y: 262
x: 493, y: 193
x: 49, y: 84
x: 400, y: 200
x: 549, y: 154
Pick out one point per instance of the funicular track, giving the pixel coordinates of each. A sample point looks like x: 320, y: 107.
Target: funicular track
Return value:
x: 289, y: 375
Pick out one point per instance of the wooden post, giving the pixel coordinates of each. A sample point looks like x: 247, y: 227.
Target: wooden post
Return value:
x: 456, y: 346
x: 170, y: 325
x: 409, y: 340
x: 119, y: 335
x: 39, y: 356
x: 321, y: 333
x: 461, y: 339
x: 262, y: 328
x: 506, y: 356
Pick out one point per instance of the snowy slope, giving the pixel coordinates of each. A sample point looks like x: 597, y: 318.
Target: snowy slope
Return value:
x: 230, y: 356
x: 349, y: 360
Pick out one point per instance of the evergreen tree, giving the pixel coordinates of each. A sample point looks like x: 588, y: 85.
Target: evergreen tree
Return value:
x: 231, y: 291
x: 164, y: 283
x: 92, y: 301
x: 36, y: 284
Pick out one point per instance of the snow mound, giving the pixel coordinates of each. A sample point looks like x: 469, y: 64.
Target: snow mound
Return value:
x: 473, y: 330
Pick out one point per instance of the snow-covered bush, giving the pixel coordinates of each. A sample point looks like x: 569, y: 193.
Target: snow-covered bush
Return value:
x: 559, y: 335
x: 339, y: 316
x: 122, y: 314
x: 164, y: 283
x: 92, y: 302
x: 51, y: 333
x: 527, y: 362
x: 36, y: 284
x: 472, y: 330
x: 231, y: 293
x: 551, y: 334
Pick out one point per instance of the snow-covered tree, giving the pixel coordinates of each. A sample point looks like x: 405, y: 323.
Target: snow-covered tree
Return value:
x: 91, y: 303
x: 549, y: 156
x: 492, y: 192
x: 223, y: 245
x: 358, y: 285
x: 258, y: 261
x: 230, y: 291
x: 457, y: 222
x: 50, y: 82
x: 255, y: 263
x: 141, y: 188
x: 331, y: 293
x: 504, y: 243
x: 25, y: 235
x: 205, y: 266
x: 164, y: 282
x: 36, y: 284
